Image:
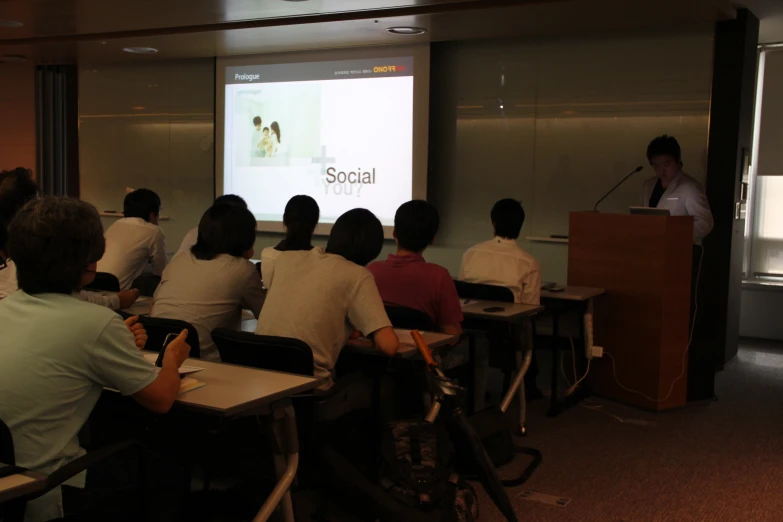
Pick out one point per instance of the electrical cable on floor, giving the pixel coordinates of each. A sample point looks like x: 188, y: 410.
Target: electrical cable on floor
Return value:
x: 684, y: 353
x: 573, y: 387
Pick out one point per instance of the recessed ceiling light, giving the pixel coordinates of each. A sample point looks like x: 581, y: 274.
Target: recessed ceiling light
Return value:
x: 406, y: 30
x: 138, y: 108
x: 12, y: 58
x: 140, y: 50
x: 295, y: 0
x: 10, y: 23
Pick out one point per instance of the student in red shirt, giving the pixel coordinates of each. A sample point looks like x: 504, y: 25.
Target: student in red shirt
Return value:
x: 406, y: 279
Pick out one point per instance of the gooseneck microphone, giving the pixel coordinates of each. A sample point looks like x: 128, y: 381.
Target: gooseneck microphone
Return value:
x: 637, y: 169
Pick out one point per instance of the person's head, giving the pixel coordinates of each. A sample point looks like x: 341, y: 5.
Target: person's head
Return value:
x: 357, y: 235
x: 415, y: 225
x: 276, y: 129
x: 257, y: 122
x: 17, y: 187
x: 266, y: 131
x: 142, y: 203
x: 665, y: 157
x: 300, y: 219
x: 507, y: 217
x: 56, y: 244
x: 225, y: 229
x: 230, y: 199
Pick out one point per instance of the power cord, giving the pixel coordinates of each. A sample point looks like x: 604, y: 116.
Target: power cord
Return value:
x: 684, y: 353
x: 577, y: 381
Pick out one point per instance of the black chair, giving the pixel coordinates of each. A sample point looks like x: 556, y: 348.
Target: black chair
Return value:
x: 409, y: 318
x: 13, y: 511
x: 483, y: 292
x: 158, y: 328
x: 104, y: 282
x: 146, y: 284
x: 282, y: 354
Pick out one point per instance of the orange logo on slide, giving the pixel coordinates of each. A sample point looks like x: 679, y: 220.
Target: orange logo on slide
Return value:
x: 388, y: 68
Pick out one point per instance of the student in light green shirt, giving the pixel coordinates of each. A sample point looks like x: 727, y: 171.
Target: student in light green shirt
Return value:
x: 57, y: 353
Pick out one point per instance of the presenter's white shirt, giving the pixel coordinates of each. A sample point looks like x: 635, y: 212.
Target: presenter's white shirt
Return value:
x: 132, y: 244
x: 684, y: 197
x: 501, y: 262
x: 188, y: 241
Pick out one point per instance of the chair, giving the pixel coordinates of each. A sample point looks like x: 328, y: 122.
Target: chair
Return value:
x: 104, y: 282
x: 268, y: 352
x: 146, y: 284
x: 13, y: 511
x: 483, y: 292
x: 409, y: 318
x: 158, y: 328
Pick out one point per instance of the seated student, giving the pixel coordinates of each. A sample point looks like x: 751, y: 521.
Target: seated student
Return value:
x: 321, y: 297
x: 192, y: 236
x: 17, y: 188
x: 136, y: 241
x: 300, y: 219
x: 57, y: 352
x: 500, y: 261
x: 210, y: 285
x: 405, y: 279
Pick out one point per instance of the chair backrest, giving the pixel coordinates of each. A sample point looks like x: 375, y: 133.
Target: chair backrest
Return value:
x: 105, y: 282
x: 158, y: 328
x: 146, y: 284
x: 484, y: 292
x: 268, y: 352
x: 7, y: 455
x: 409, y: 318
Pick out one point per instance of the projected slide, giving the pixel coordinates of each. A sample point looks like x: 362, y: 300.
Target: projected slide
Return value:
x: 340, y: 131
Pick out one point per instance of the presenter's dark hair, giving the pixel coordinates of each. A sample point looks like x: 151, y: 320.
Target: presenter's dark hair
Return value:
x: 357, y: 235
x: 230, y: 199
x: 664, y: 146
x: 17, y: 187
x: 300, y: 219
x: 276, y: 129
x: 257, y: 121
x: 141, y: 203
x: 508, y: 216
x: 52, y: 240
x: 415, y: 224
x: 224, y: 229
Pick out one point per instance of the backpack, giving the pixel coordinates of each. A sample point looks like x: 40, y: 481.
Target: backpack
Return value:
x: 417, y: 469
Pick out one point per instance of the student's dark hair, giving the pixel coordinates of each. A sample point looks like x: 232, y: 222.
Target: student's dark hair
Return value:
x: 300, y: 219
x: 357, y: 235
x: 508, y: 217
x: 224, y: 229
x: 265, y: 129
x: 17, y: 187
x: 664, y: 146
x: 416, y: 223
x: 52, y: 240
x: 257, y: 121
x: 140, y: 204
x: 276, y: 128
x: 230, y: 199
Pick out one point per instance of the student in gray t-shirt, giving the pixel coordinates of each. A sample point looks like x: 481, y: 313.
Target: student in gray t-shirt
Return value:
x: 57, y: 352
x: 321, y: 297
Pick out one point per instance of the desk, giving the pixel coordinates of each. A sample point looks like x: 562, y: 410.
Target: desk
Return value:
x: 516, y: 314
x: 236, y: 391
x: 140, y: 307
x: 20, y: 484
x: 558, y: 303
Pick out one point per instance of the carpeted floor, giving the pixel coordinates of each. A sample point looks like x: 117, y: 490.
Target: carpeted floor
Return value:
x: 721, y: 461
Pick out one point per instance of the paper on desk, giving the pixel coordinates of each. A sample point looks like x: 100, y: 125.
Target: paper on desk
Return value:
x: 190, y: 384
x: 183, y: 370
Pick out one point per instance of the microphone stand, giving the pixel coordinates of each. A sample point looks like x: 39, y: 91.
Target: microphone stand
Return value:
x: 637, y: 169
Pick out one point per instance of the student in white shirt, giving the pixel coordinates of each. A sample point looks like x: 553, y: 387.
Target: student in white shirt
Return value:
x: 500, y: 261
x: 210, y: 285
x: 17, y: 187
x: 300, y: 219
x: 135, y: 242
x: 192, y: 236
x: 58, y: 353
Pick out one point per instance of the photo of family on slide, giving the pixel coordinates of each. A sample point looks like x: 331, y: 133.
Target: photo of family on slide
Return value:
x: 265, y: 142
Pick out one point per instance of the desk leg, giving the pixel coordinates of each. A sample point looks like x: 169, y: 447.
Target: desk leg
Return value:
x: 553, y: 406
x: 524, y: 355
x: 286, y: 460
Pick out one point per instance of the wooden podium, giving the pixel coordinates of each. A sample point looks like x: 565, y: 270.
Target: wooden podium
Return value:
x: 642, y: 322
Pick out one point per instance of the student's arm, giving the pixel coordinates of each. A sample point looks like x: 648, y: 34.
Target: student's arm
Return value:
x: 158, y: 253
x: 109, y: 301
x: 531, y: 286
x: 253, y: 293
x: 267, y: 270
x: 449, y: 307
x: 160, y: 395
x: 386, y: 341
x: 368, y: 315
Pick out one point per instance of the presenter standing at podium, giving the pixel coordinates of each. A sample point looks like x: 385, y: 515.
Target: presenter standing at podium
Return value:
x: 673, y: 189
